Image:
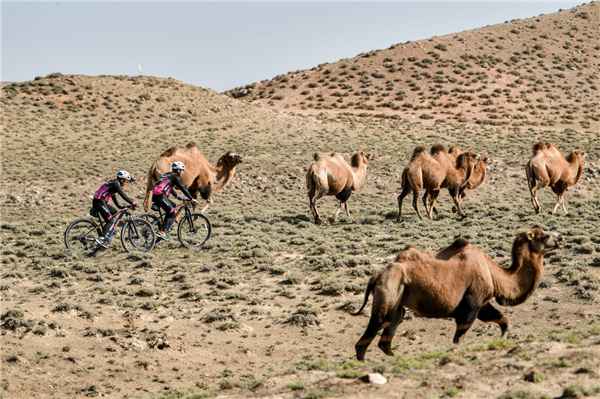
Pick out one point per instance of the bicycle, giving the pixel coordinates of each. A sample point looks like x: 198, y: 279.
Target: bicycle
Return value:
x: 136, y: 233
x: 193, y: 229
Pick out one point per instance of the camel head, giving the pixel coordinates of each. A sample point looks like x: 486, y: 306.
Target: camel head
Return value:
x: 478, y: 174
x: 576, y: 155
x: 467, y: 161
x: 540, y: 241
x: 360, y: 158
x: 230, y: 160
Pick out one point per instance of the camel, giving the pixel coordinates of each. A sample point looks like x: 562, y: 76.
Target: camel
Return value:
x: 199, y: 175
x: 331, y: 175
x: 477, y: 175
x: 458, y: 282
x: 425, y: 172
x: 549, y: 167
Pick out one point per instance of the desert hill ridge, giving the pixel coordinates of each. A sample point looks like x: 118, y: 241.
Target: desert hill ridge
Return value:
x: 540, y: 71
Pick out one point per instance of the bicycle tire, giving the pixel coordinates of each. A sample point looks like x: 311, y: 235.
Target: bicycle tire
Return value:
x: 86, y: 239
x: 137, y: 234
x: 195, y: 234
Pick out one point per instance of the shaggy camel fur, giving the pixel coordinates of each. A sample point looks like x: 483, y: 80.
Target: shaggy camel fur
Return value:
x: 332, y: 175
x: 425, y: 172
x: 459, y: 282
x: 549, y: 167
x: 199, y: 175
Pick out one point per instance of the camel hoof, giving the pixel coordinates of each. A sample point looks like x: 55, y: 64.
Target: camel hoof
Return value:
x: 386, y: 347
x: 318, y: 221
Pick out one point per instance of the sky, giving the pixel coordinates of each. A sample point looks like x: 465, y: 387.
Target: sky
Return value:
x: 226, y: 44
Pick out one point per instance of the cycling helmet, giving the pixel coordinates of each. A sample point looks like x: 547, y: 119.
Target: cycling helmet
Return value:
x: 123, y: 174
x: 177, y: 166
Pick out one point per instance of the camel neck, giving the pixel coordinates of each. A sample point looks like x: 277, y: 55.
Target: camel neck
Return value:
x: 359, y: 174
x: 514, y: 285
x: 223, y: 176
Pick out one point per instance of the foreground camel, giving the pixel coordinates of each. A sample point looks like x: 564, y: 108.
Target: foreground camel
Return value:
x: 199, y: 175
x: 433, y: 171
x: 332, y: 175
x: 459, y: 282
x: 549, y: 167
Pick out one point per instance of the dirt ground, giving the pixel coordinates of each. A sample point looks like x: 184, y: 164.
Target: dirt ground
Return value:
x: 263, y: 311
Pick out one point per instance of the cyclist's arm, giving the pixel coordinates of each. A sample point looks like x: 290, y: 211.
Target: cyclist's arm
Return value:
x: 179, y: 184
x: 120, y: 191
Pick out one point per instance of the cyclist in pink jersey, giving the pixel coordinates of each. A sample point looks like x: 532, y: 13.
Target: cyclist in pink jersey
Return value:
x: 160, y: 195
x: 100, y: 205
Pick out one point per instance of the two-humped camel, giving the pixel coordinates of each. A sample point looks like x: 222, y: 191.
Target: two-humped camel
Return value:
x: 331, y: 175
x: 459, y: 282
x: 433, y: 171
x: 199, y: 175
x: 549, y: 167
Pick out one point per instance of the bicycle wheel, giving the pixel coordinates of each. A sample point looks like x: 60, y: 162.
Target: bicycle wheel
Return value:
x: 193, y: 232
x: 137, y: 234
x: 152, y: 219
x: 80, y: 236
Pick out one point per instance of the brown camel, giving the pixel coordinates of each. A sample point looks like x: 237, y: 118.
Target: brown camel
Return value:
x: 332, y: 175
x: 199, y: 175
x: 425, y: 172
x: 477, y: 175
x: 549, y: 167
x: 459, y: 282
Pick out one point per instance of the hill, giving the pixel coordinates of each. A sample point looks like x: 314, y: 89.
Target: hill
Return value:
x: 540, y: 71
x: 263, y: 309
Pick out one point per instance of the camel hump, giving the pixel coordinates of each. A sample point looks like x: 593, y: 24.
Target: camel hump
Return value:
x: 458, y: 244
x: 418, y: 151
x: 191, y: 144
x: 316, y: 157
x: 436, y: 148
x: 168, y: 152
x: 538, y: 147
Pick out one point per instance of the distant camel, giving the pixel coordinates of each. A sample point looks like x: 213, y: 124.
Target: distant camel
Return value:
x: 459, y: 282
x: 549, y: 167
x: 332, y: 175
x: 199, y: 175
x: 477, y: 175
x: 425, y: 172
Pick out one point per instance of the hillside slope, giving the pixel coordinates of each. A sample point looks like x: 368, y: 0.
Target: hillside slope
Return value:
x: 538, y: 71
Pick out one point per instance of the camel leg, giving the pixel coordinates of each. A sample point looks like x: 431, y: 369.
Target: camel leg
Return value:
x: 454, y: 195
x: 416, y: 203
x: 385, y: 342
x: 337, y: 211
x: 424, y: 198
x: 559, y: 200
x: 564, y: 204
x: 534, y: 197
x: 434, y: 196
x: 375, y: 324
x: 208, y: 202
x: 488, y: 313
x: 404, y: 193
x: 346, y: 209
x: 465, y: 314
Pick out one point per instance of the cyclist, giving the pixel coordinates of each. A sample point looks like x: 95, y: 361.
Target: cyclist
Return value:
x: 100, y: 205
x: 160, y: 196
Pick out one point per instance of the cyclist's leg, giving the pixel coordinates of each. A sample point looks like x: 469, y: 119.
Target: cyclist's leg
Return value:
x: 110, y: 228
x: 169, y: 207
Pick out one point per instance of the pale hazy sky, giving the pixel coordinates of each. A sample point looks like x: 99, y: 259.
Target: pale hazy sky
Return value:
x: 223, y: 45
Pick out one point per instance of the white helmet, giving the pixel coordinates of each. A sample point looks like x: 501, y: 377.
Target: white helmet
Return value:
x: 177, y: 166
x: 123, y: 174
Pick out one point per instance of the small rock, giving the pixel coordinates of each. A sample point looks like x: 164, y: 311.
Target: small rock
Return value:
x: 374, y: 378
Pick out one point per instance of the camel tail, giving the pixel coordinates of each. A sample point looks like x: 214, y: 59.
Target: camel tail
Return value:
x: 312, y: 181
x: 370, y: 287
x: 149, y: 185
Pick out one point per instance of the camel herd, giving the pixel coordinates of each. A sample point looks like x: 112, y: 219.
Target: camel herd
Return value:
x: 430, y: 171
x: 459, y: 281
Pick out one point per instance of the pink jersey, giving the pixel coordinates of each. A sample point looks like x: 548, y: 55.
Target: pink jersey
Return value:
x: 102, y: 193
